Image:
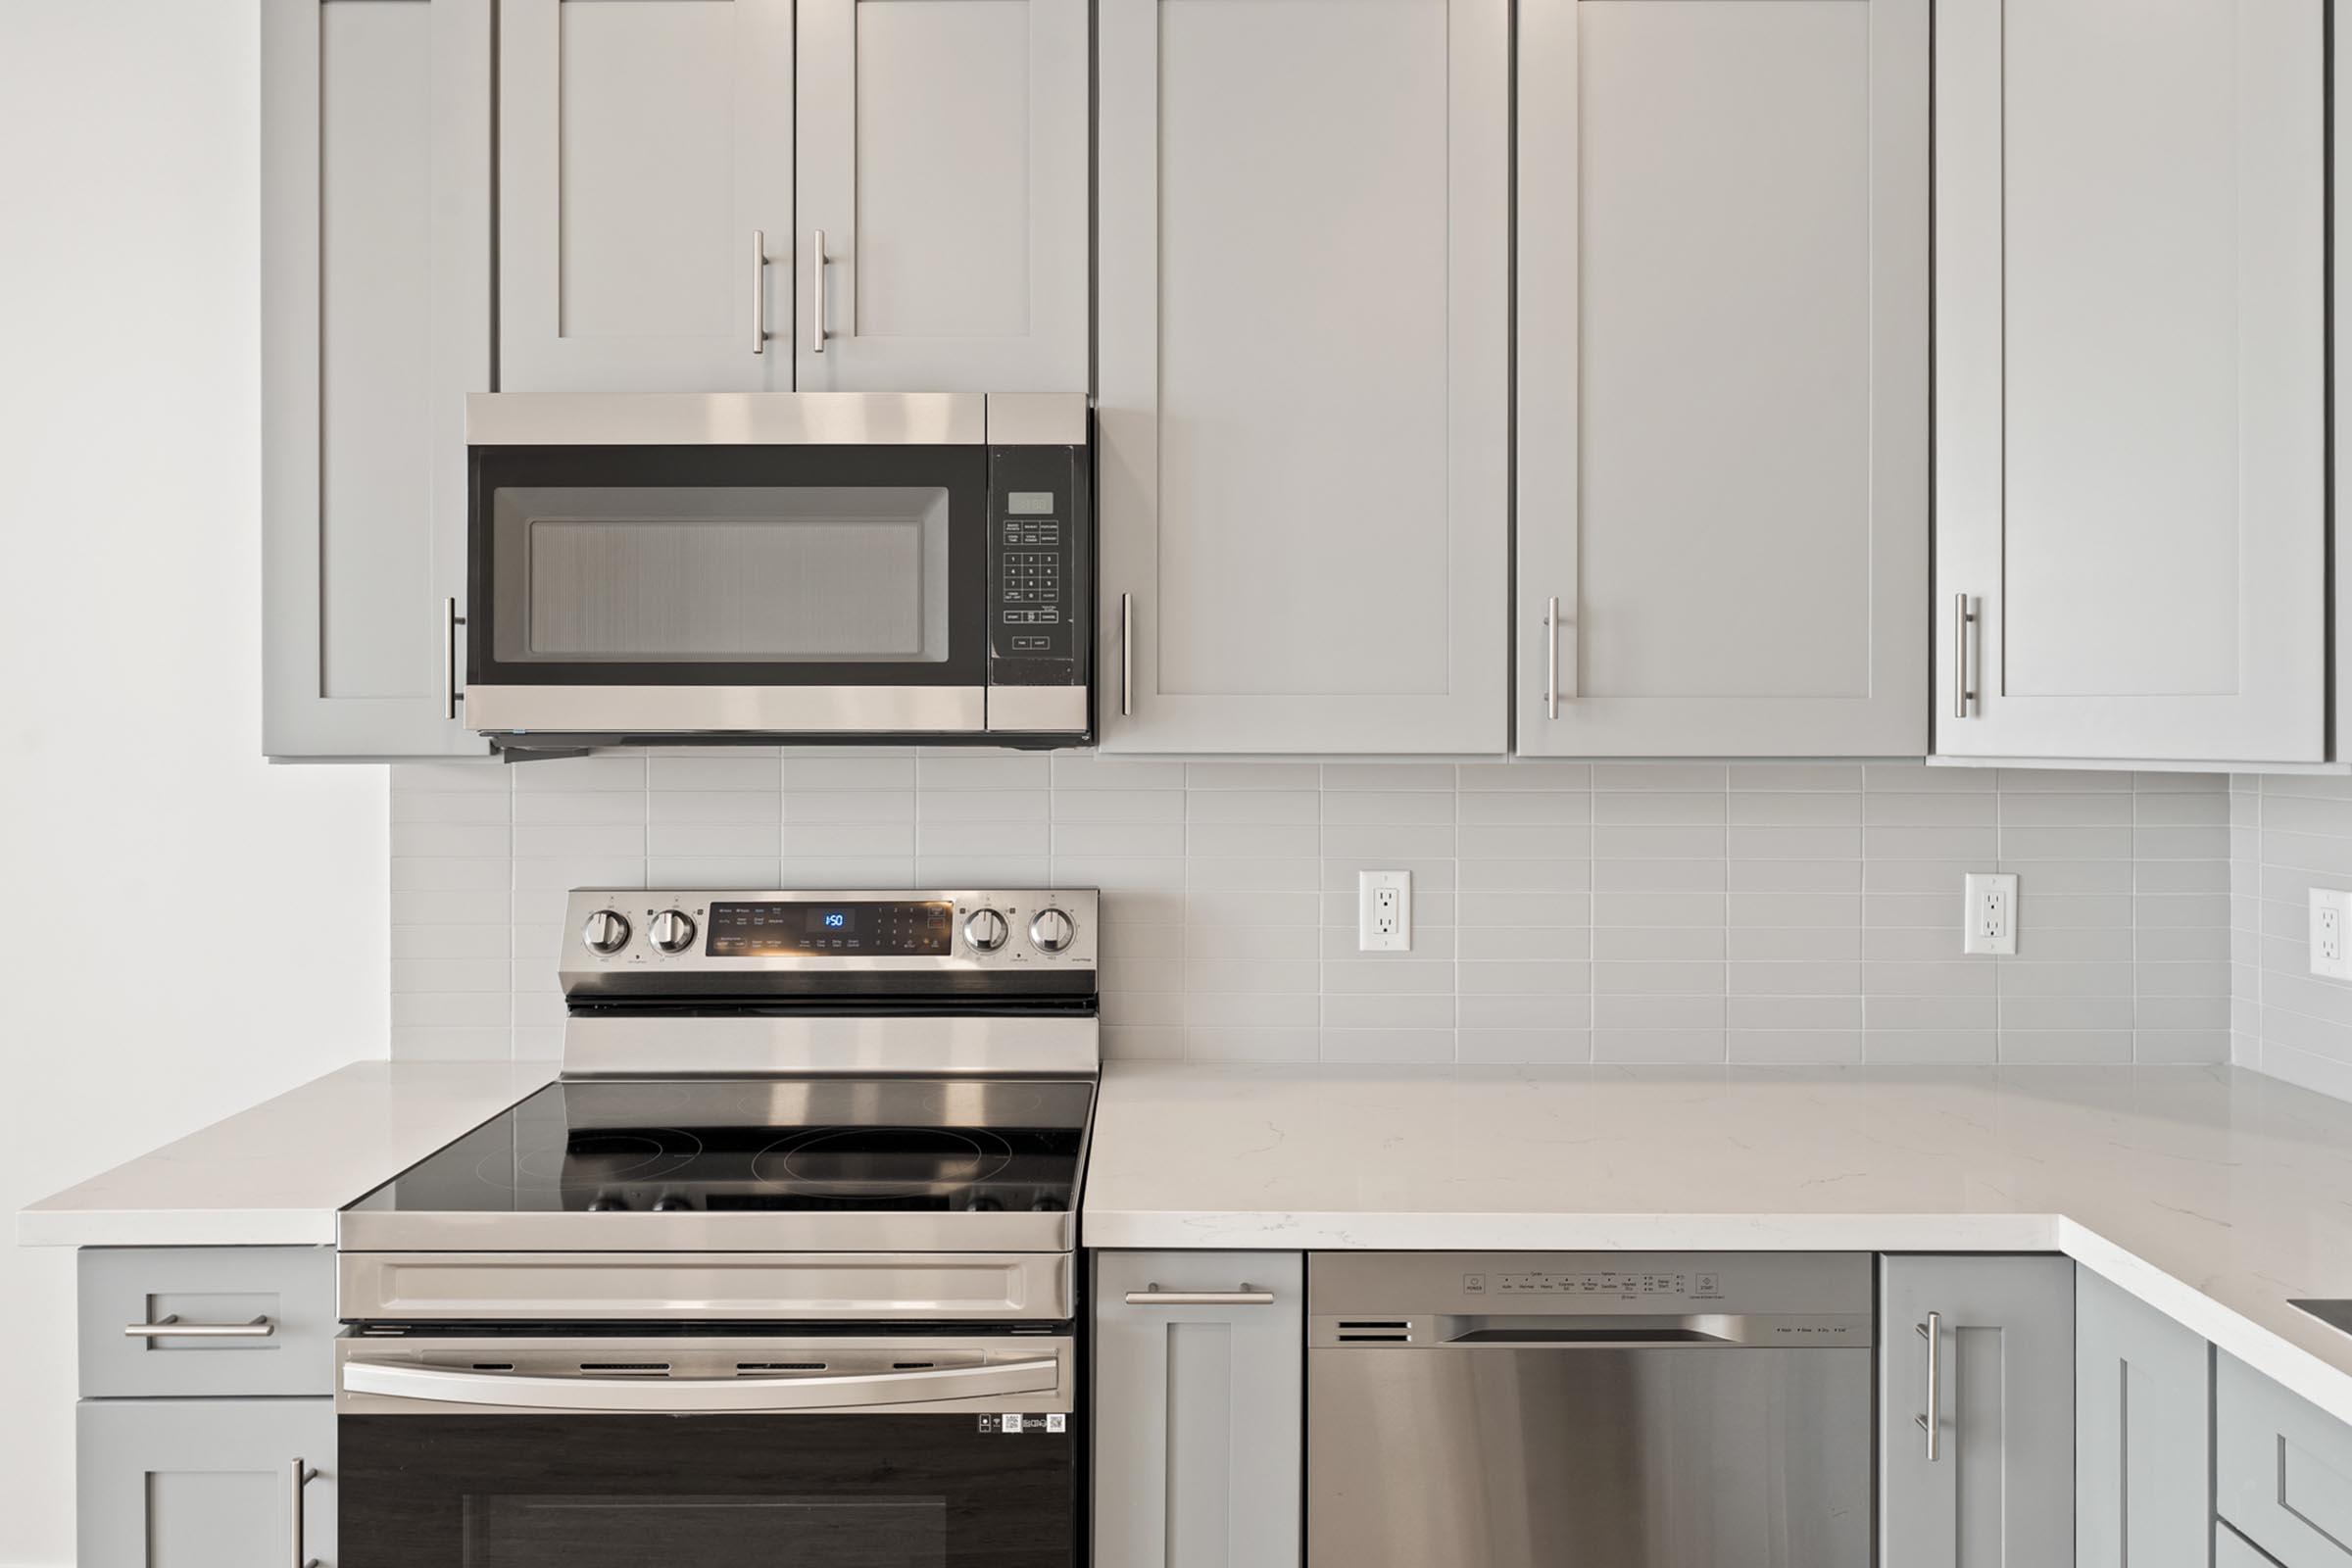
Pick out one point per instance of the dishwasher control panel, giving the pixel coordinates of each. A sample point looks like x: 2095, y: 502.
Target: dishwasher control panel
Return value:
x: 1681, y: 1285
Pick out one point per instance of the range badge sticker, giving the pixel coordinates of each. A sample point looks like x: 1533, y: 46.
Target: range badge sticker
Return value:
x: 1013, y: 1424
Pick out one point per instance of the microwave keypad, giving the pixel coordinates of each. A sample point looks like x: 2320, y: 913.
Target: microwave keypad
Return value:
x: 1039, y: 545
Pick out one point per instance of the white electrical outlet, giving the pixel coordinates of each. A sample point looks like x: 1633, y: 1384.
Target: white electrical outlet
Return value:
x: 1991, y: 917
x: 1384, y: 912
x: 2331, y: 926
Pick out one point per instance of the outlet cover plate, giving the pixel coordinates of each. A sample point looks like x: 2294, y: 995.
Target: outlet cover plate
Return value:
x: 2332, y: 933
x: 1384, y: 912
x: 1988, y: 921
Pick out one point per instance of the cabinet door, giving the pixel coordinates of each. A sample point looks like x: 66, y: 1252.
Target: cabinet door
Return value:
x: 645, y: 195
x: 1198, y: 1412
x: 1303, y: 382
x: 2282, y: 1469
x: 1722, y: 378
x: 375, y: 324
x: 2130, y: 382
x: 943, y: 149
x: 2143, y: 1434
x: 206, y: 1483
x: 1992, y: 1486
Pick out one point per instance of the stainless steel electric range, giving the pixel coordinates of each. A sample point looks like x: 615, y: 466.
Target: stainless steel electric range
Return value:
x: 781, y: 1269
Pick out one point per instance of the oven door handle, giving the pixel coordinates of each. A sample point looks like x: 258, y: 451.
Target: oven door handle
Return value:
x: 670, y: 1396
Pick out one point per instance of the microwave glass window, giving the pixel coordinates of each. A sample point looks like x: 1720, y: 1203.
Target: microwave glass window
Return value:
x: 609, y: 1531
x: 752, y: 574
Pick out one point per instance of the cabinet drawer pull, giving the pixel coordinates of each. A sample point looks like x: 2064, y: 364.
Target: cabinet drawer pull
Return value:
x: 1552, y: 658
x: 170, y: 1327
x: 304, y: 1475
x: 1931, y: 1422
x: 1153, y: 1296
x: 1126, y: 654
x: 758, y: 291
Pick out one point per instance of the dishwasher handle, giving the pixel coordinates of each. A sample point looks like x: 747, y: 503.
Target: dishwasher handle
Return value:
x: 1591, y: 1331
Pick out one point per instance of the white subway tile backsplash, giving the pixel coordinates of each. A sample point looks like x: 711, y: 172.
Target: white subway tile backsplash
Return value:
x: 1676, y: 911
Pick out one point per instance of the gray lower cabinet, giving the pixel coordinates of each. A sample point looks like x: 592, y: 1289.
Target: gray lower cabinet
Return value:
x: 2143, y: 1434
x: 249, y: 1320
x: 206, y: 1483
x: 1983, y: 1349
x: 2232, y: 1550
x: 2282, y: 1469
x: 1199, y: 1409
x: 375, y: 324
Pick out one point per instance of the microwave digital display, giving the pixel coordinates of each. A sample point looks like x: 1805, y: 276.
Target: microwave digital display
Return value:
x: 1029, y: 502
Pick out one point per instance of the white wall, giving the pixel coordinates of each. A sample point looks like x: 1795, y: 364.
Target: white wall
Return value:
x: 189, y: 929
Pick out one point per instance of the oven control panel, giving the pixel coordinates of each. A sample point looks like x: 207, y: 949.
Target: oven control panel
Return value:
x: 711, y: 932
x: 1041, y: 567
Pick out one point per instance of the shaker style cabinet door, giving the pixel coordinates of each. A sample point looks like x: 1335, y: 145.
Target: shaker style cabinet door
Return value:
x: 206, y: 1483
x: 1303, y: 375
x: 375, y: 324
x: 1722, y: 378
x: 943, y: 196
x: 1199, y: 1407
x: 1983, y: 1350
x: 2130, y: 315
x: 2143, y: 1434
x: 645, y: 195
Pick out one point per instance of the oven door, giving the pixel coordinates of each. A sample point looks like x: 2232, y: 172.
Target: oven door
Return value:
x: 706, y: 1452
x: 630, y: 590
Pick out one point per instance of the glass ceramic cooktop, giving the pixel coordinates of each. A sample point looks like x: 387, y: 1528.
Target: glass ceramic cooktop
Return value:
x: 718, y: 1146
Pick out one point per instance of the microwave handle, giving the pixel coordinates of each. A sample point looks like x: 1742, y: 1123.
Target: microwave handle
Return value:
x: 685, y: 1395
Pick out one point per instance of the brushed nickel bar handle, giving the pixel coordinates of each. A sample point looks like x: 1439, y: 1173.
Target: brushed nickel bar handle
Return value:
x: 1153, y: 1296
x: 451, y: 620
x: 302, y: 1476
x: 816, y: 324
x: 1552, y: 657
x: 170, y: 1327
x: 1126, y: 654
x: 758, y: 291
x: 1931, y: 1422
x: 1963, y: 689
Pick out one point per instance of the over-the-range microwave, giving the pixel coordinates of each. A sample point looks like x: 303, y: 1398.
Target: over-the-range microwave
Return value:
x: 813, y: 565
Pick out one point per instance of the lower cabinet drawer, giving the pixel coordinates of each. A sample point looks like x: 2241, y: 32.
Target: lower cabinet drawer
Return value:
x: 251, y: 1320
x: 2282, y: 1469
x: 206, y: 1483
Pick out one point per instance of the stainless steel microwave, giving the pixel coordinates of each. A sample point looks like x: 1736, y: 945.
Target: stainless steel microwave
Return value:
x: 915, y: 567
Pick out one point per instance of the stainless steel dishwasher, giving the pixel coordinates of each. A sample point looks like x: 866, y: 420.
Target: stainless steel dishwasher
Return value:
x: 1588, y: 1410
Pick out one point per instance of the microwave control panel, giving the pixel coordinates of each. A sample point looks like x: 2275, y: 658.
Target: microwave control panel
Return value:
x: 1041, y: 572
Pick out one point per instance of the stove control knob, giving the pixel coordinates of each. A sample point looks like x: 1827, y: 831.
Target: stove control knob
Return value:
x: 1052, y: 931
x: 986, y: 1204
x: 605, y: 931
x: 607, y: 1203
x: 1047, y: 1204
x: 670, y: 1203
x: 672, y: 930
x: 985, y: 930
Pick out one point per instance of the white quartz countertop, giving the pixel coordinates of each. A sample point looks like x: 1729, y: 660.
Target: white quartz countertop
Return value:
x: 2215, y: 1195
x: 276, y: 1174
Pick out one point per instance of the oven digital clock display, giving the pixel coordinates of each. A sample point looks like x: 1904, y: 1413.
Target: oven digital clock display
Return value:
x: 783, y: 930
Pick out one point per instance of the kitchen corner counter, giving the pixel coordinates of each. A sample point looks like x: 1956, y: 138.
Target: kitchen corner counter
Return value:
x: 276, y: 1174
x: 2215, y: 1195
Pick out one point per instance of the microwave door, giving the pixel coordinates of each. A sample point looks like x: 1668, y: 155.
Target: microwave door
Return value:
x: 649, y: 590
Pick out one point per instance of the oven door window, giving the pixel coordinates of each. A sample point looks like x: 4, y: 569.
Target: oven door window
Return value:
x: 770, y: 566
x: 702, y: 1492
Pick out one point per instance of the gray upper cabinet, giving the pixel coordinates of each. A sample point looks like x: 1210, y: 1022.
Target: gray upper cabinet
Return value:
x: 1722, y: 378
x: 1984, y: 1348
x: 645, y: 195
x: 2144, y: 1435
x: 1199, y: 1407
x: 2130, y: 382
x: 375, y: 324
x: 206, y: 1483
x: 1303, y: 377
x: 943, y: 160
